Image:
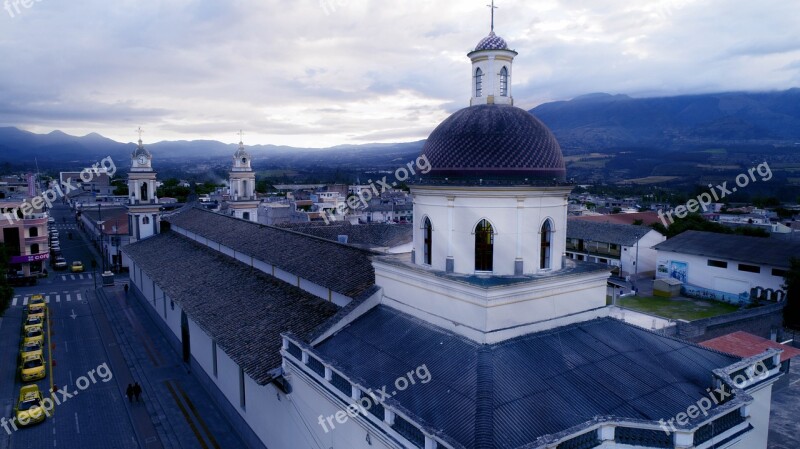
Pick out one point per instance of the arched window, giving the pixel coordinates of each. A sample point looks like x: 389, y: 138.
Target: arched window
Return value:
x: 479, y: 82
x: 546, y: 248
x: 427, y: 241
x: 504, y: 82
x: 143, y: 192
x: 146, y: 220
x: 484, y: 246
x: 34, y: 232
x: 246, y: 215
x: 245, y: 192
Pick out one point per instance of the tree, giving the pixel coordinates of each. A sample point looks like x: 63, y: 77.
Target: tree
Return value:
x: 791, y: 313
x: 6, y: 291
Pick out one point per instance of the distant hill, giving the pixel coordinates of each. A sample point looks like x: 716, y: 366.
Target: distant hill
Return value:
x: 602, y: 121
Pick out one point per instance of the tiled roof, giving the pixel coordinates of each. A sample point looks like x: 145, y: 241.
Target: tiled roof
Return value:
x: 492, y: 42
x: 746, y: 345
x: 373, y: 235
x: 625, y: 235
x: 343, y: 269
x: 494, y: 141
x: 539, y: 384
x: 243, y: 310
x: 647, y: 218
x: 114, y: 216
x: 740, y: 248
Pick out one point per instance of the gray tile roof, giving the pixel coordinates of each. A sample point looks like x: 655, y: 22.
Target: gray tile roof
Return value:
x: 539, y: 384
x: 343, y: 269
x: 752, y: 250
x: 620, y: 234
x: 243, y: 310
x: 371, y: 235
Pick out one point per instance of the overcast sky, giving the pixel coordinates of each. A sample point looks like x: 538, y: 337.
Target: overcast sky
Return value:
x: 326, y: 72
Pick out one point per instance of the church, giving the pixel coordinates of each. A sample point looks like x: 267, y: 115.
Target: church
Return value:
x: 484, y: 336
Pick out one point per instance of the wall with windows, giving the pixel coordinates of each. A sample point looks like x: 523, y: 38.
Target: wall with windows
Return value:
x: 719, y: 274
x: 516, y: 217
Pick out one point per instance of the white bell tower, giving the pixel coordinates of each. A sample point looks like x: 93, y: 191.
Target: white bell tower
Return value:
x: 242, y: 185
x: 143, y: 205
x: 491, y: 69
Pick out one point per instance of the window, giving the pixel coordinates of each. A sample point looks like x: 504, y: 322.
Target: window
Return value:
x: 143, y: 192
x: 427, y: 241
x: 779, y: 272
x: 717, y: 263
x: 35, y: 248
x: 146, y: 220
x: 749, y: 268
x: 478, y: 82
x: 546, y: 245
x: 504, y: 82
x: 484, y: 246
x: 33, y: 232
x: 214, y: 357
x: 242, y: 400
x: 246, y: 215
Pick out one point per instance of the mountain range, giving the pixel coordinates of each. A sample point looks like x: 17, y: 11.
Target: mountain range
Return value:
x: 596, y: 122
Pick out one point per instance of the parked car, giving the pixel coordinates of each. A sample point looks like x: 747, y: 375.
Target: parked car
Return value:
x: 29, y: 349
x: 36, y: 310
x: 31, y: 321
x: 77, y: 266
x: 60, y: 263
x: 33, y: 334
x: 29, y: 408
x: 32, y: 369
x: 51, y: 220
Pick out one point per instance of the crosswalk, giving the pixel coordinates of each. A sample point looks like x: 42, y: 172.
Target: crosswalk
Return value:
x: 76, y: 276
x: 52, y: 297
x: 64, y: 226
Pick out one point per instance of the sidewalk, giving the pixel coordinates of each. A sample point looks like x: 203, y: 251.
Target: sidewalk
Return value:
x: 183, y: 414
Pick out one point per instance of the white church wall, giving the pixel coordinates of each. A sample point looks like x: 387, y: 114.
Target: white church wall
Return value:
x: 314, y: 289
x: 759, y: 419
x: 200, y: 344
x: 228, y: 378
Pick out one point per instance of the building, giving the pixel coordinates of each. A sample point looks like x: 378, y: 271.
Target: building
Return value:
x: 143, y: 205
x: 644, y: 218
x: 628, y: 248
x: 482, y: 337
x: 108, y: 227
x: 727, y: 267
x: 25, y: 236
x: 242, y: 202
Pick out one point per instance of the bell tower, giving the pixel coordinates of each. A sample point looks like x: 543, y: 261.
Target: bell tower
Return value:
x: 143, y: 205
x: 242, y: 185
x: 492, y: 61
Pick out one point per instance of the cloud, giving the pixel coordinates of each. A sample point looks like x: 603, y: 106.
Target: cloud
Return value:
x: 319, y: 73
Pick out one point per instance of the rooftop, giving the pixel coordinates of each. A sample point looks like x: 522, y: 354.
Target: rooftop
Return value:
x: 243, y: 310
x: 647, y: 218
x: 540, y: 384
x: 745, y: 345
x: 621, y: 234
x: 342, y: 268
x: 740, y: 248
x: 371, y: 235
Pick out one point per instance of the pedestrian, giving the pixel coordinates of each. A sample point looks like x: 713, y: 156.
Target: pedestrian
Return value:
x: 129, y: 393
x: 137, y: 390
x: 126, y: 289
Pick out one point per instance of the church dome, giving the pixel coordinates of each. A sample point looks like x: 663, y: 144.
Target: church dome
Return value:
x: 492, y: 42
x: 141, y: 151
x: 494, y: 142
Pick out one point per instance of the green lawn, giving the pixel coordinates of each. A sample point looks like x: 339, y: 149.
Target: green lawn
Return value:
x: 676, y: 308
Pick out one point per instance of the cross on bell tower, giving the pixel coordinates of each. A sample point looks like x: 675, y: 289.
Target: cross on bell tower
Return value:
x: 492, y: 7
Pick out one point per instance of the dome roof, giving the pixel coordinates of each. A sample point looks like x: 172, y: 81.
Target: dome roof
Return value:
x: 492, y: 42
x: 141, y: 151
x: 240, y: 153
x: 494, y: 142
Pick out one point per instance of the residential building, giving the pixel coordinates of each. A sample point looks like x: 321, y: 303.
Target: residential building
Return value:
x: 727, y: 267
x: 628, y: 248
x: 25, y: 236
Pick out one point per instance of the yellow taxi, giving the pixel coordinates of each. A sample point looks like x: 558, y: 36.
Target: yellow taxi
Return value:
x: 77, y: 266
x: 29, y: 409
x: 30, y: 349
x: 34, y: 334
x: 32, y: 321
x: 36, y: 299
x: 32, y: 369
x: 36, y: 310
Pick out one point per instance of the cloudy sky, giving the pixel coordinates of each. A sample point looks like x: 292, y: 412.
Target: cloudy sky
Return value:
x: 326, y: 72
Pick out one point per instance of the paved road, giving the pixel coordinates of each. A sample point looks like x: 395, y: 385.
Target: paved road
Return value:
x: 99, y: 331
